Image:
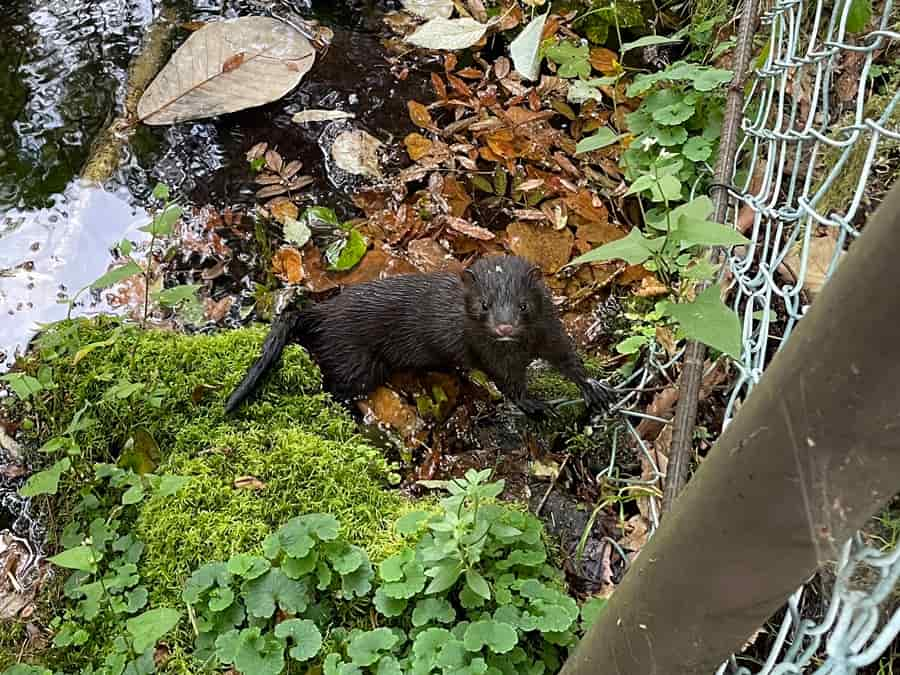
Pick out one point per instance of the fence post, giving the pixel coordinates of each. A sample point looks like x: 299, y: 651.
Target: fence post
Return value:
x: 811, y: 456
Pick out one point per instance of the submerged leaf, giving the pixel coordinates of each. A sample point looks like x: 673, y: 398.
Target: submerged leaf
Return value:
x: 227, y: 66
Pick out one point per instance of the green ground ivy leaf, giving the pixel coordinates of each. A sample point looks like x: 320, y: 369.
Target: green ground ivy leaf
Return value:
x: 136, y: 599
x: 296, y: 568
x: 478, y: 584
x: 697, y: 149
x: 251, y: 652
x: 78, y: 558
x: 674, y: 114
x: 248, y: 566
x: 670, y: 136
x: 707, y: 79
x: 411, y: 522
x: 497, y: 636
x: 22, y: 669
x: 295, y: 538
x: 323, y: 525
x: 590, y: 611
x: 116, y: 275
x: 525, y: 50
x: 345, y: 558
x: 429, y: 642
x: 604, y: 136
x: 163, y: 223
x: 634, y: 249
x: 275, y: 588
x: 388, y: 665
x: 304, y: 635
x: 45, y: 482
x: 366, y: 648
x: 359, y: 582
x: 204, y: 578
x: 429, y: 610
x: 632, y: 345
x: 708, y: 320
x: 147, y: 628
x: 388, y: 606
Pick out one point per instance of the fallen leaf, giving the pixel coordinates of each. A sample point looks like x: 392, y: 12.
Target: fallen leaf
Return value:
x: 637, y: 531
x: 287, y: 265
x: 356, y: 151
x: 605, y: 60
x: 417, y: 146
x: 429, y: 256
x: 282, y: 210
x: 450, y: 34
x: 216, y: 311
x: 419, y: 114
x: 249, y: 483
x: 429, y: 9
x: 307, y: 116
x: 467, y: 228
x: 525, y: 49
x: 665, y: 338
x: 195, y: 85
x: 651, y: 287
x: 821, y: 252
x: 257, y: 151
x: 545, y: 247
x: 386, y: 406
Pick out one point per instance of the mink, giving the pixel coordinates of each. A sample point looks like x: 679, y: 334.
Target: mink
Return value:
x: 497, y: 316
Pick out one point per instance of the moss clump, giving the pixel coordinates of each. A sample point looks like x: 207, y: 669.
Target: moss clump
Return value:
x: 303, y: 450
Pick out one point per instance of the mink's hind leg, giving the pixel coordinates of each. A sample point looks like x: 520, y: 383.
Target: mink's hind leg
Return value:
x: 354, y: 377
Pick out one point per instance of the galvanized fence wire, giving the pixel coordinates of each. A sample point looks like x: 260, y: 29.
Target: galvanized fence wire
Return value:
x: 814, y: 130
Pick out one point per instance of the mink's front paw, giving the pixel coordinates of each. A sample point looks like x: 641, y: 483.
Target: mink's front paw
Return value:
x: 598, y: 396
x: 534, y: 407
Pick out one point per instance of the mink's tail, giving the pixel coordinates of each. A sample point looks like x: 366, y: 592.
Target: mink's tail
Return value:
x: 283, y: 329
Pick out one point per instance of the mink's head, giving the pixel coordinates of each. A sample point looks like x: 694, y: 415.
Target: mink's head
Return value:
x: 505, y: 296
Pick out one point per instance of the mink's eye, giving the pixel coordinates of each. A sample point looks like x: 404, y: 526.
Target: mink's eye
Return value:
x: 484, y: 305
x: 523, y: 307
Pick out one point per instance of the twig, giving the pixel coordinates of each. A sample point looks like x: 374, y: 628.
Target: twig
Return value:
x: 552, y: 485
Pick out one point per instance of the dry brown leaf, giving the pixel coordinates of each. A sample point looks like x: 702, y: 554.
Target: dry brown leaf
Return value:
x: 283, y: 209
x: 274, y: 161
x: 663, y: 405
x: 287, y: 265
x: 313, y: 271
x: 545, y: 247
x: 821, y: 252
x: 216, y: 311
x: 605, y: 60
x: 419, y: 114
x: 637, y: 531
x: 257, y: 151
x: 417, y: 146
x: 502, y: 66
x: 429, y: 256
x: 665, y: 338
x: 467, y: 228
x: 385, y: 406
x: 249, y: 483
x: 651, y: 287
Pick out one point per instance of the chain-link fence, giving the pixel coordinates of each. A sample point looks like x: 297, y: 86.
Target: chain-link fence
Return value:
x: 820, y: 144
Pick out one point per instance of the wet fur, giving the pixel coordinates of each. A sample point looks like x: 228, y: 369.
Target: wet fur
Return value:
x: 437, y: 321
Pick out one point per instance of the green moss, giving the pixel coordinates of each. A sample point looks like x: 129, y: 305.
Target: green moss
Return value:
x: 302, y: 448
x: 841, y: 191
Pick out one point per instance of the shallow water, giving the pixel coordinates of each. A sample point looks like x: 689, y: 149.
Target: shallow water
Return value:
x: 63, y: 67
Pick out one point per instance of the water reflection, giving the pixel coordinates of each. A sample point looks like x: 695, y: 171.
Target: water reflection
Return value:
x: 48, y: 254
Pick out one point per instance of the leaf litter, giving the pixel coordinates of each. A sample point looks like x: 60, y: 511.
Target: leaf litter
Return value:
x: 502, y: 154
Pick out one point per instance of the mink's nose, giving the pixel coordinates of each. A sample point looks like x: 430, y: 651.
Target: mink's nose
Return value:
x: 504, y: 330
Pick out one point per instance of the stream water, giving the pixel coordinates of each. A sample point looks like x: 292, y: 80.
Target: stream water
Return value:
x: 63, y: 72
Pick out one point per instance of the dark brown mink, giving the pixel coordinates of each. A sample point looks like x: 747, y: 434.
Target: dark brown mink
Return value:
x: 496, y: 316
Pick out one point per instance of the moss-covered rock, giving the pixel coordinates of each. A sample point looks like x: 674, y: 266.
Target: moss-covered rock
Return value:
x: 297, y: 451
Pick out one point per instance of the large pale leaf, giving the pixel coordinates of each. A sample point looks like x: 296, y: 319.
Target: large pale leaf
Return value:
x: 429, y: 9
x: 227, y: 66
x: 525, y: 49
x: 448, y: 33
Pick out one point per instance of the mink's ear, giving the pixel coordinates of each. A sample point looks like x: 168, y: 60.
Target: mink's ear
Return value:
x: 535, y: 274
